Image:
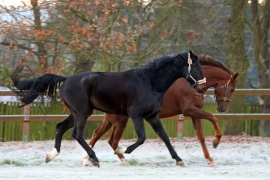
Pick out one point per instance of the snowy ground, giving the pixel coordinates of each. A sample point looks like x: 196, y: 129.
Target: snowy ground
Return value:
x: 236, y: 158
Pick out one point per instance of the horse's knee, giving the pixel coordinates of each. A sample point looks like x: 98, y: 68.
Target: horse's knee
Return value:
x: 58, y: 127
x: 113, y: 143
x: 64, y: 125
x: 77, y: 135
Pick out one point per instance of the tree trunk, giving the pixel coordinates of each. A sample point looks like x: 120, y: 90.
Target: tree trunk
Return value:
x: 83, y: 62
x: 237, y: 61
x: 41, y: 54
x: 260, y: 27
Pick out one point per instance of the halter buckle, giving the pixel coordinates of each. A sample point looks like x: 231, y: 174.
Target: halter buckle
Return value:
x: 225, y: 98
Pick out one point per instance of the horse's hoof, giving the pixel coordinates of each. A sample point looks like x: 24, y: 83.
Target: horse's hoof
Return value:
x: 48, y: 159
x: 120, y: 150
x: 85, y: 159
x: 180, y: 163
x: 211, y: 163
x: 95, y: 163
x: 51, y: 156
x: 215, y: 144
x: 86, y: 163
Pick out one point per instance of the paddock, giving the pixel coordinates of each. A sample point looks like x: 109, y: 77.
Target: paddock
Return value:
x: 236, y: 158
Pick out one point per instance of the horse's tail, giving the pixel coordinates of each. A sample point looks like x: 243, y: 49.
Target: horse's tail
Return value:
x: 29, y: 89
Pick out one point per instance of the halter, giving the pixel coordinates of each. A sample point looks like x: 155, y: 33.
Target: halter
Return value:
x: 189, y: 74
x: 225, y: 98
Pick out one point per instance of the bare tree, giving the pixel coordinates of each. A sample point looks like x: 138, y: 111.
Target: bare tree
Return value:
x: 237, y: 60
x: 260, y: 28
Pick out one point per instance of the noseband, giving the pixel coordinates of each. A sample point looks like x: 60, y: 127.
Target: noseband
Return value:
x: 202, y: 81
x: 225, y: 98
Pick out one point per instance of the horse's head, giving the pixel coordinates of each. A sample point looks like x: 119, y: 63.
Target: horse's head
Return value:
x: 224, y: 92
x: 193, y: 73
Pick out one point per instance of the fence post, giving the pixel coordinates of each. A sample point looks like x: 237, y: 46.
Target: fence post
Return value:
x: 4, y: 123
x: 180, y: 127
x: 26, y: 112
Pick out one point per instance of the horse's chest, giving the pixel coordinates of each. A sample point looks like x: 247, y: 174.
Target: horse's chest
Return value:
x: 150, y: 105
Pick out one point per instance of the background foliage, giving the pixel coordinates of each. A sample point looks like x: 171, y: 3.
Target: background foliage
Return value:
x: 66, y: 36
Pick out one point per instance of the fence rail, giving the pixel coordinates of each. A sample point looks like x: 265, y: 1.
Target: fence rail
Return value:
x: 208, y: 92
x: 225, y: 116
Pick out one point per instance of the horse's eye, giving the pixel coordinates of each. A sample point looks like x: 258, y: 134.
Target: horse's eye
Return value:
x: 232, y: 90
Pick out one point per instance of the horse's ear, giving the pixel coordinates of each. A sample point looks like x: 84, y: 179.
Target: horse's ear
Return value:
x: 189, y: 51
x: 235, y: 76
x: 192, y: 56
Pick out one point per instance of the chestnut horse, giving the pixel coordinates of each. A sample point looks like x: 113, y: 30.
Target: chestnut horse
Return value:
x: 180, y: 99
x: 122, y: 93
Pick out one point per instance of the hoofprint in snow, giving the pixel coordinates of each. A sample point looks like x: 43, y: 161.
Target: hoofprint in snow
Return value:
x: 237, y: 157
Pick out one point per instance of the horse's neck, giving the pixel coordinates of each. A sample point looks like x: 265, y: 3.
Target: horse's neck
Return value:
x: 163, y: 78
x: 213, y: 75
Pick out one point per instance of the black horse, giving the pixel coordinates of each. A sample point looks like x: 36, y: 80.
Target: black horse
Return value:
x: 136, y: 93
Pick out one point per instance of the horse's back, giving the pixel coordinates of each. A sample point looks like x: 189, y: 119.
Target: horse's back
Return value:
x: 111, y: 92
x: 115, y: 92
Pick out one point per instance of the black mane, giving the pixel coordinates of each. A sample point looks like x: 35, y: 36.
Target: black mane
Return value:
x: 159, y: 61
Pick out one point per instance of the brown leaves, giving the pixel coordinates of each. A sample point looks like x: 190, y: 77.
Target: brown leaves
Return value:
x: 73, y: 27
x: 22, y: 60
x: 192, y: 35
x: 41, y: 34
x: 132, y: 48
x: 11, y: 46
x: 124, y: 20
x: 151, y: 24
x: 82, y: 31
x: 118, y: 39
x: 164, y: 34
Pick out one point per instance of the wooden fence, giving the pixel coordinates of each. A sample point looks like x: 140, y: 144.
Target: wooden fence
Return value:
x: 26, y: 117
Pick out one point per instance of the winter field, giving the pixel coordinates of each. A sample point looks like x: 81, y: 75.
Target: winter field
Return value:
x: 236, y: 158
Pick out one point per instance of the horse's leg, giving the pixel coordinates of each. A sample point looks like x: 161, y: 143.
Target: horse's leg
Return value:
x: 61, y: 128
x: 119, y: 125
x: 99, y: 131
x: 195, y: 112
x: 157, y: 126
x: 198, y: 127
x: 80, y: 121
x: 139, y: 128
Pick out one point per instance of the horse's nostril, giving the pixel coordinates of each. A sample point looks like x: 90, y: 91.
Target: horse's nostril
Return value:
x: 221, y: 109
x: 200, y: 90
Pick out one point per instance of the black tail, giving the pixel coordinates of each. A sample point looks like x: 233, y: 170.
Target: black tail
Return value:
x: 29, y: 89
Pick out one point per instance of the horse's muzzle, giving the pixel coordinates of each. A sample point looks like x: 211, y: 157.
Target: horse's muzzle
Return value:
x: 200, y: 88
x: 222, y: 107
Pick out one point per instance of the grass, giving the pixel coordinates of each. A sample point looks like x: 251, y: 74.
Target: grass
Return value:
x: 11, y: 162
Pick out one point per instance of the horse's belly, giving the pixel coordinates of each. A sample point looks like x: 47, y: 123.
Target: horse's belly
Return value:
x: 111, y: 105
